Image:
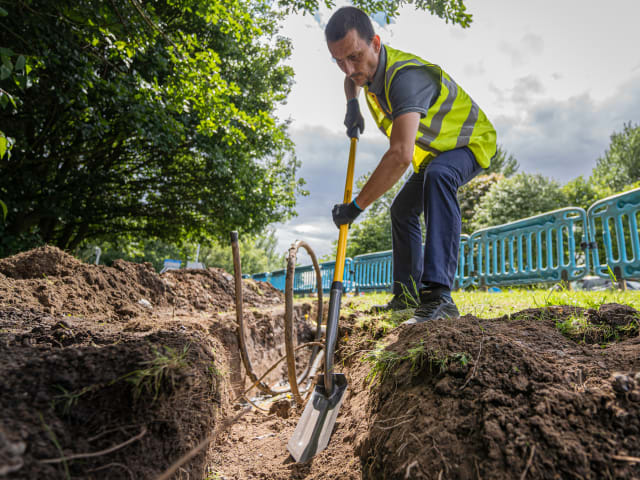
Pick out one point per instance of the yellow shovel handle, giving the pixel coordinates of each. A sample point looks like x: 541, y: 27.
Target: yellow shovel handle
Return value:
x: 344, y: 229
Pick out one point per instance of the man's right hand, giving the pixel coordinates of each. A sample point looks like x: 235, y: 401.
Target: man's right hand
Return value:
x: 353, y: 120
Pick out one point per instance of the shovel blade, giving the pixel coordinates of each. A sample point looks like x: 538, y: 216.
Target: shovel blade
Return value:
x: 318, y: 418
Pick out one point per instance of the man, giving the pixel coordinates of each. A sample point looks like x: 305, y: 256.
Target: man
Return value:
x: 439, y: 130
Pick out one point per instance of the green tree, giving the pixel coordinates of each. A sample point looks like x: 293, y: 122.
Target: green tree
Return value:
x: 453, y: 11
x: 154, y: 120
x: 257, y: 253
x: 619, y: 168
x: 151, y: 120
x: 520, y: 196
x: 503, y: 163
x: 582, y: 193
x: 469, y: 196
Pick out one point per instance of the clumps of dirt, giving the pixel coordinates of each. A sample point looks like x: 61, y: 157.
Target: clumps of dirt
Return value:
x: 215, y: 289
x: 40, y: 262
x: 71, y: 391
x: 116, y: 372
x: 49, y: 280
x: 472, y: 398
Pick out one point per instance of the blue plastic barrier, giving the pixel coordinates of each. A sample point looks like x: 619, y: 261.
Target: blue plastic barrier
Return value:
x: 533, y: 250
x: 373, y: 271
x: 278, y: 279
x: 304, y: 280
x: 616, y: 218
x: 328, y: 270
x: 463, y: 276
x: 543, y: 248
x: 261, y: 277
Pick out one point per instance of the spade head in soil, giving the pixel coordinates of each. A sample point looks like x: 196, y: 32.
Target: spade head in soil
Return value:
x: 316, y: 423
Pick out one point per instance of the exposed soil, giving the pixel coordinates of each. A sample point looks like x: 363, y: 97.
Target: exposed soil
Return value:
x: 116, y: 372
x: 94, y: 357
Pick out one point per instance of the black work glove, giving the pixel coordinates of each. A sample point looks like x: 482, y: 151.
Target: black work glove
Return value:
x: 345, y: 213
x: 353, y: 120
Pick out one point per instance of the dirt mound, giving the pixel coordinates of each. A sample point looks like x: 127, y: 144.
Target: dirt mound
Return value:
x: 115, y: 372
x: 472, y: 398
x: 51, y: 281
x: 40, y: 262
x: 215, y: 289
x: 83, y: 390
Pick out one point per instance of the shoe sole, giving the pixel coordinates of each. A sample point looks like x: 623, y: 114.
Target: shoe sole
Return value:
x: 438, y: 314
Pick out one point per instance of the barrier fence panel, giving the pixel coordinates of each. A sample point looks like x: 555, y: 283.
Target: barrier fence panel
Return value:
x: 328, y: 270
x: 544, y: 248
x: 613, y: 228
x: 304, y: 280
x: 373, y: 271
x: 463, y: 276
x: 533, y: 250
x: 278, y: 279
x: 261, y: 277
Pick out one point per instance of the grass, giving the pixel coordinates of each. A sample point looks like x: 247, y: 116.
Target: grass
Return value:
x: 508, y: 301
x: 485, y: 304
x: 161, y: 368
x: 385, y: 362
x: 54, y: 440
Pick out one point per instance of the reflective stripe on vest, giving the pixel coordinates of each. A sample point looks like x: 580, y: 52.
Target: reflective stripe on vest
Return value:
x: 453, y: 121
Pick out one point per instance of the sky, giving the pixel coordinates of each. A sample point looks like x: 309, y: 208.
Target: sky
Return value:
x: 555, y: 77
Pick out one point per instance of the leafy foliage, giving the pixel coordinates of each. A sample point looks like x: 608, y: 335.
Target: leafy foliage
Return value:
x: 520, y: 196
x: 155, y: 120
x: 582, y: 193
x: 373, y: 233
x: 619, y: 168
x: 470, y: 194
x: 453, y: 11
x: 503, y: 163
x: 258, y: 253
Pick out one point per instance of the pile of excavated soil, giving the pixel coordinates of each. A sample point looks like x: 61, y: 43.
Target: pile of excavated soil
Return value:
x: 464, y: 399
x: 47, y: 279
x: 116, y: 372
x: 507, y: 398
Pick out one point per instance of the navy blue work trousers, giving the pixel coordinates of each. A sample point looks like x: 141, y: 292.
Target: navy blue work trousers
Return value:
x: 434, y: 192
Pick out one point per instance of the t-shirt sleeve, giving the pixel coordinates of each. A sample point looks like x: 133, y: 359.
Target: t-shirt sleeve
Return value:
x: 413, y: 90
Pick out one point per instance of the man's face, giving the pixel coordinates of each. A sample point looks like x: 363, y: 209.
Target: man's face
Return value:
x: 357, y: 59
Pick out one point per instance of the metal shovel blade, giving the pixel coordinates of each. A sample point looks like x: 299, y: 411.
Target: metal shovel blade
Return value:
x: 316, y: 423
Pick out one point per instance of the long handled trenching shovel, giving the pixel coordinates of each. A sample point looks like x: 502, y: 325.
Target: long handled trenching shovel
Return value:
x: 319, y: 416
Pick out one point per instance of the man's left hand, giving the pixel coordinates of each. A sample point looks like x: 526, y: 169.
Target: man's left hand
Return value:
x: 345, y: 213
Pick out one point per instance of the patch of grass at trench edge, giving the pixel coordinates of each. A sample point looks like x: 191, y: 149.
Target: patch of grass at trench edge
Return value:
x: 383, y: 362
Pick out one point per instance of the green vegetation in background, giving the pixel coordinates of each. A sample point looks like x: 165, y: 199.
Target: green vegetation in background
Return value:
x: 257, y: 253
x: 619, y: 168
x: 502, y: 195
x: 152, y: 120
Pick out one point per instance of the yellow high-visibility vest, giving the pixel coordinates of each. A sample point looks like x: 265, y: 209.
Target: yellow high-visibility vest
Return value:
x: 453, y: 121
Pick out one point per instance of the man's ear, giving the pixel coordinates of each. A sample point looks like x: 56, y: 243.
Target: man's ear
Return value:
x: 376, y: 43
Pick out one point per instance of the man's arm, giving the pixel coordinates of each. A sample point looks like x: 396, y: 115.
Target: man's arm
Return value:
x: 351, y: 90
x: 394, y: 162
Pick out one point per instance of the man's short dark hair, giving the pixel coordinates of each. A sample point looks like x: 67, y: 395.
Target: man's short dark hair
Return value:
x: 345, y: 19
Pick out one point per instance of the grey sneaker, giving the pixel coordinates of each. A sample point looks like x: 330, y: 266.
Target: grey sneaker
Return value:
x: 434, y: 308
x: 398, y: 302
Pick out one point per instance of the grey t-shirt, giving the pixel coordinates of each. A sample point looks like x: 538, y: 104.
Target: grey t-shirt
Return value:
x: 413, y: 89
